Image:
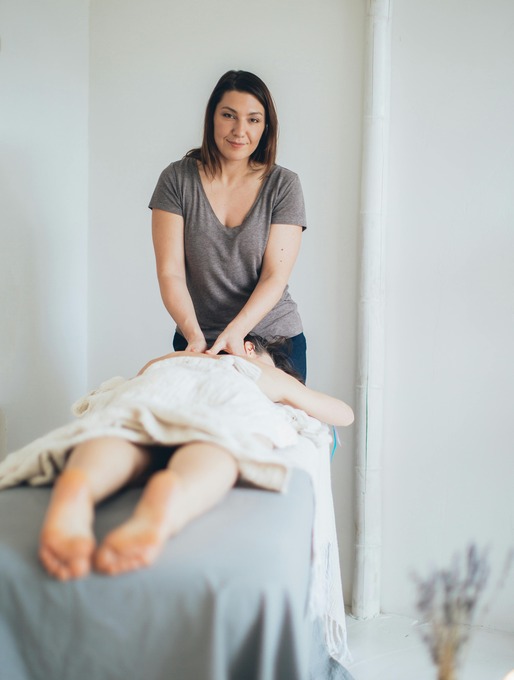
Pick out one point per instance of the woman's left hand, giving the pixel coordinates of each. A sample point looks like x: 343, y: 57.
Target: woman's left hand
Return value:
x: 229, y: 341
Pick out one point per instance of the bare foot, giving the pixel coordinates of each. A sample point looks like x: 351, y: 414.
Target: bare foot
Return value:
x: 66, y: 543
x: 138, y: 542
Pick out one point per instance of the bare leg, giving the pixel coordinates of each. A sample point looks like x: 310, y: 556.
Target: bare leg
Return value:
x: 95, y: 469
x: 198, y: 476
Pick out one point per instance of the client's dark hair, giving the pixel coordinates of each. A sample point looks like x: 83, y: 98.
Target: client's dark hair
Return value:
x: 277, y: 348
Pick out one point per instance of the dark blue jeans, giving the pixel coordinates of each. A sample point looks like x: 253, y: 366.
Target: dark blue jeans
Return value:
x: 296, y: 352
x: 298, y: 355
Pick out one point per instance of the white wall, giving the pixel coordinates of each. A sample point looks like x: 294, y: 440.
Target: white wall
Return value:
x: 448, y: 476
x: 153, y: 66
x: 447, y: 461
x: 43, y: 213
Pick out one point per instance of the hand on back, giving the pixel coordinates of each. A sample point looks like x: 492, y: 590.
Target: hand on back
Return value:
x: 229, y: 341
x: 196, y: 344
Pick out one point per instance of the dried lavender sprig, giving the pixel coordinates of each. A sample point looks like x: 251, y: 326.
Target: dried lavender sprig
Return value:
x: 448, y: 601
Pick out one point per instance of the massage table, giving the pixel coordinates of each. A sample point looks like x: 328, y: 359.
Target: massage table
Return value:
x: 249, y: 591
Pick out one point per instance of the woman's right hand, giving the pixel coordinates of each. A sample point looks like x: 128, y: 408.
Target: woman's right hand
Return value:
x: 196, y: 343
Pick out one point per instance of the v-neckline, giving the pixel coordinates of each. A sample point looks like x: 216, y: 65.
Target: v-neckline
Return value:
x: 206, y: 198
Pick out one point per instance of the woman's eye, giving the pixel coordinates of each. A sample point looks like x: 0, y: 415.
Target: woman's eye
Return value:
x: 228, y: 115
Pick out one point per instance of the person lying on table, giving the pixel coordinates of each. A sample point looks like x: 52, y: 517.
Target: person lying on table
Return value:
x: 190, y: 422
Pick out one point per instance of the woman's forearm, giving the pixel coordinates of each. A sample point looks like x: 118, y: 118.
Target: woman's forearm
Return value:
x: 322, y: 406
x: 168, y: 240
x: 283, y: 388
x: 177, y: 300
x: 278, y: 261
x: 265, y: 296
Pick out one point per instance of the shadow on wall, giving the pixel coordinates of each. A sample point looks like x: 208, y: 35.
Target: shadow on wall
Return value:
x: 29, y: 378
x: 3, y: 438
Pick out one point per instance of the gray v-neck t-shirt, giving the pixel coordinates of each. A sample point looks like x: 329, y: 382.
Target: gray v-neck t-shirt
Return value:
x: 223, y: 264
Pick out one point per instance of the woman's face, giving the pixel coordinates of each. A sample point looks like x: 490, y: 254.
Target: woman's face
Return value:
x: 239, y: 121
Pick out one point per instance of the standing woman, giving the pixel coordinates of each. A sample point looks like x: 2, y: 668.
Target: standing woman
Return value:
x: 227, y: 225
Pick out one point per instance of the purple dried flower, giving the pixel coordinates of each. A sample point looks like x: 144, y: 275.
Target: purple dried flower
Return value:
x: 447, y: 601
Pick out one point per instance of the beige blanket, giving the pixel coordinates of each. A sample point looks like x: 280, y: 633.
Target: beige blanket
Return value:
x: 174, y: 401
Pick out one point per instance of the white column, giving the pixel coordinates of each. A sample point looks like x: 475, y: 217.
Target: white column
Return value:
x: 369, y: 407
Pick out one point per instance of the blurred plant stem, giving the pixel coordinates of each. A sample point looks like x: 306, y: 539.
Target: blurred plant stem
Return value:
x: 447, y: 669
x: 447, y: 602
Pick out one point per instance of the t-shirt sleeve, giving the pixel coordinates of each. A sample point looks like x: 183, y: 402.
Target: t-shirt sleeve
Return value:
x: 167, y: 195
x: 290, y: 205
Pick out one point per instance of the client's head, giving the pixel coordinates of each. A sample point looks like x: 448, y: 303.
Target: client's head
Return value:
x: 274, y: 352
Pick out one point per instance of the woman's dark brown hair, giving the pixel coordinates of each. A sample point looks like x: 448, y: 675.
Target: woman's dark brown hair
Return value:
x: 277, y: 348
x: 265, y: 154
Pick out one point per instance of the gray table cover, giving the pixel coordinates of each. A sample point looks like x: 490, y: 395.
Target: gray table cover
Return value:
x: 225, y: 601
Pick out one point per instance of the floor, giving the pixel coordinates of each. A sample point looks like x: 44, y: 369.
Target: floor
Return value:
x: 390, y: 648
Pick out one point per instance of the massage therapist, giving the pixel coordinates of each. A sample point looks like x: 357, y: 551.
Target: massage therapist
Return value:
x: 227, y: 223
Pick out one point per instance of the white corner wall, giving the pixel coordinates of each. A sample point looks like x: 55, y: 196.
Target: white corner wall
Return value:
x: 449, y: 236
x: 151, y: 70
x: 448, y: 463
x: 43, y: 214
x: 153, y: 66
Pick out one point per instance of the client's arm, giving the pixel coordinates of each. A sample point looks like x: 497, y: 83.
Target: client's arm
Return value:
x: 281, y: 387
